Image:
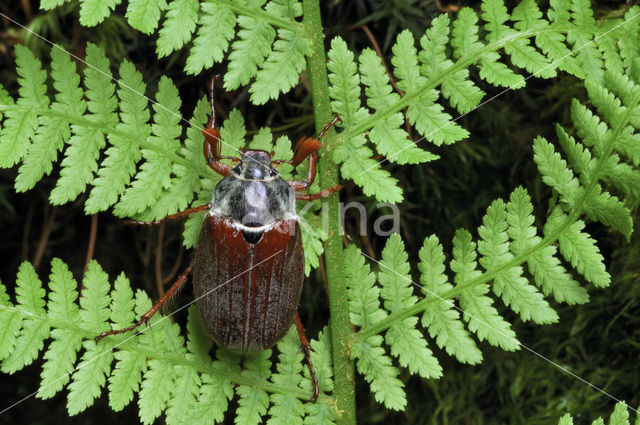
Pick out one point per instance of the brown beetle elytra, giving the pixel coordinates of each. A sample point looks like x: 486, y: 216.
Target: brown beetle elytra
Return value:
x: 249, y: 263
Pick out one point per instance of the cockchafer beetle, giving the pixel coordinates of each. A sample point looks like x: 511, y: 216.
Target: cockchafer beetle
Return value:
x: 249, y: 263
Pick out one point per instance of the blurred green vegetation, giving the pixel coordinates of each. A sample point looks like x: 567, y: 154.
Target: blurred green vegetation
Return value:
x: 599, y: 341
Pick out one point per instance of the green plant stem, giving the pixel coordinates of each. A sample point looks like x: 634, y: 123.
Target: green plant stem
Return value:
x: 341, y: 332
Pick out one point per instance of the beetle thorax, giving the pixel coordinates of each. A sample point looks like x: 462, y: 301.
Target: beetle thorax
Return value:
x: 254, y: 195
x: 255, y: 165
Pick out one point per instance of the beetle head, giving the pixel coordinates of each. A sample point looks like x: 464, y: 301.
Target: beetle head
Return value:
x: 255, y: 165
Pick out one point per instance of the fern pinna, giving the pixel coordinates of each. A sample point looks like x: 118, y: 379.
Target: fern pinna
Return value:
x: 143, y: 162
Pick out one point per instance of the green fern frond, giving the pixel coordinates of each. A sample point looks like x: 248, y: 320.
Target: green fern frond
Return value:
x: 216, y: 28
x: 21, y: 124
x: 122, y: 156
x: 62, y: 352
x: 5, y: 99
x: 603, y: 136
x: 30, y: 340
x: 312, y: 237
x: 286, y: 409
x: 94, y: 299
x: 605, y: 141
x: 262, y: 139
x: 441, y: 318
x: 363, y: 295
x: 407, y: 343
x: 580, y: 250
x: 548, y: 273
x: 581, y: 37
x: 92, y: 12
x: 464, y: 34
x: 89, y: 377
x: 183, y: 394
x: 424, y: 113
x: 197, y: 339
x: 482, y: 317
x: 371, y: 359
x: 168, y: 376
x: 629, y: 48
x: 521, y: 53
x: 509, y: 284
x: 127, y: 373
x: 186, y: 387
x: 184, y: 182
x: 125, y: 378
x: 275, y: 59
x: 156, y: 389
x: 81, y: 156
x: 178, y: 26
x: 249, y: 51
x: 213, y: 399
x: 53, y: 131
x: 389, y: 138
x: 594, y: 175
x: 281, y: 69
x: 10, y: 323
x: 320, y: 413
x: 461, y: 92
x: 144, y: 15
x: 94, y: 367
x: 494, y: 12
x: 465, y: 42
x: 233, y: 132
x: 345, y: 102
x: 321, y: 358
x: 619, y: 416
x: 209, y: 28
x: 254, y: 402
x: 606, y: 41
x: 555, y: 172
x: 155, y: 171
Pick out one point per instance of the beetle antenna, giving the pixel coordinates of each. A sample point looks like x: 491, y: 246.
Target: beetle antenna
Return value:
x: 212, y: 123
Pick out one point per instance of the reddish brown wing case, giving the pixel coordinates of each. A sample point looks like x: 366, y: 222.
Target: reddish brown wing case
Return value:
x: 247, y: 294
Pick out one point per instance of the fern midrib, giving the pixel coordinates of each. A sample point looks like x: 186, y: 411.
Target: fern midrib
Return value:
x: 488, y: 276
x: 175, y: 359
x: 462, y: 63
x: 259, y: 13
x: 106, y: 129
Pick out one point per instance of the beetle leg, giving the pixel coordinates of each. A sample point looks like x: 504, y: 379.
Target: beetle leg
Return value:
x: 282, y: 161
x: 211, y: 147
x: 322, y: 194
x: 308, y: 147
x: 147, y: 316
x: 171, y: 217
x: 328, y: 126
x: 311, y: 175
x: 305, y: 147
x: 212, y: 150
x: 307, y: 354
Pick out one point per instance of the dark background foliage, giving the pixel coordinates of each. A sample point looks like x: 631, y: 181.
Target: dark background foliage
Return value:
x: 599, y: 341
